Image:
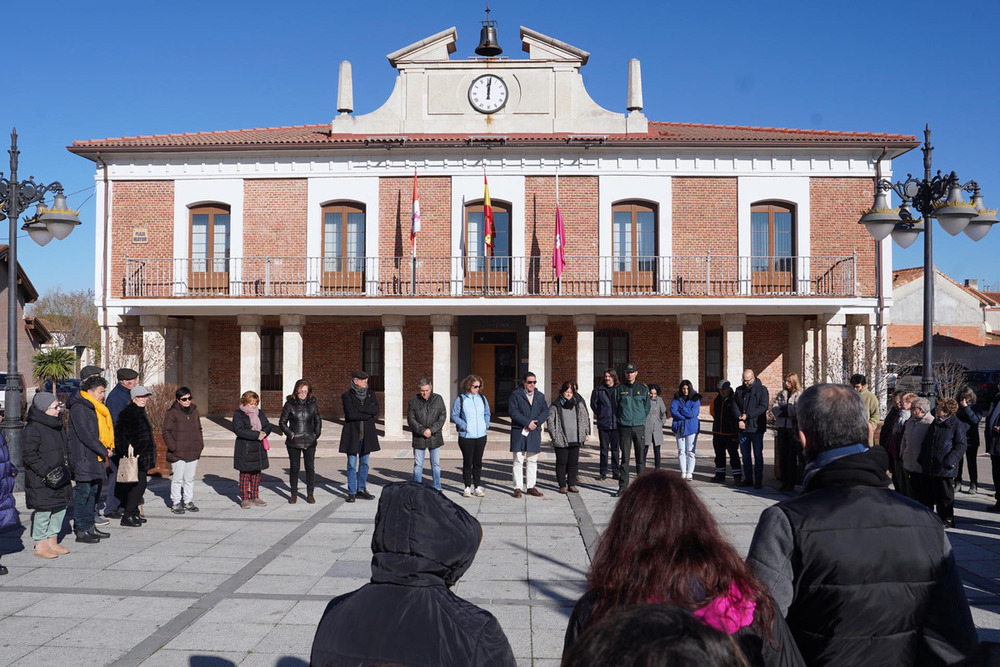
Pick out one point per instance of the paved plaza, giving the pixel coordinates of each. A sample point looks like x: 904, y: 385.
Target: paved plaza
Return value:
x: 228, y: 586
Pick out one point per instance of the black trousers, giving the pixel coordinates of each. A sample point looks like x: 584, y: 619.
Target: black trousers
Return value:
x: 656, y: 455
x: 788, y: 448
x: 609, y: 446
x: 568, y: 464
x: 472, y: 460
x: 309, y: 454
x: 630, y: 438
x: 970, y: 455
x: 727, y: 444
x: 130, y: 495
x: 935, y: 492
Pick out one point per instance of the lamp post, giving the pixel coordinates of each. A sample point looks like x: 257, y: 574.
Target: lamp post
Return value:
x: 933, y: 196
x: 57, y: 221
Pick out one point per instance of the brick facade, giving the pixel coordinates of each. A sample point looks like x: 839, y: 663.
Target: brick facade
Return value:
x: 134, y: 204
x: 705, y: 216
x: 836, y: 205
x: 267, y: 201
x: 909, y: 335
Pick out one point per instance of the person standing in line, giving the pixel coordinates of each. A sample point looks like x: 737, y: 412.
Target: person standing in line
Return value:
x: 860, y: 384
x: 752, y: 401
x: 631, y: 401
x: 940, y: 452
x: 787, y: 445
x: 602, y: 404
x: 135, y: 431
x: 302, y: 426
x: 569, y: 428
x: 426, y: 417
x: 359, y: 437
x: 684, y: 410
x: 891, y: 436
x: 725, y: 434
x: 8, y: 510
x: 91, y: 443
x: 250, y: 454
x: 528, y: 409
x: 654, y: 424
x: 116, y: 400
x: 471, y: 414
x: 913, y: 438
x: 183, y: 437
x: 969, y: 416
x: 45, y: 449
x: 991, y: 435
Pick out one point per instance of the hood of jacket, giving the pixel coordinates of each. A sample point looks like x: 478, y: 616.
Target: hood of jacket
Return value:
x: 421, y: 538
x: 40, y: 416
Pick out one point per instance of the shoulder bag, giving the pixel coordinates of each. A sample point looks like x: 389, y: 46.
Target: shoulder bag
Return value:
x: 128, y: 468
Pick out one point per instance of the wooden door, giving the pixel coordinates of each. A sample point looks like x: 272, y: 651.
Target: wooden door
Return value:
x: 495, y: 360
x: 771, y: 243
x: 484, y: 367
x: 209, y: 268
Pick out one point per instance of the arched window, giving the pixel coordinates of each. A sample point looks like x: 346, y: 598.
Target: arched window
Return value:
x: 772, y: 243
x: 344, y: 247
x: 210, y: 238
x: 487, y: 269
x: 634, y: 228
x: 611, y: 350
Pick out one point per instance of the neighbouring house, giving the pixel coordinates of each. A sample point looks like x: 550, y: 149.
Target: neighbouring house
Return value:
x: 256, y: 257
x: 31, y: 333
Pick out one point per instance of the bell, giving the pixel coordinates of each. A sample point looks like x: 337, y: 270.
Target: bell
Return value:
x: 488, y: 45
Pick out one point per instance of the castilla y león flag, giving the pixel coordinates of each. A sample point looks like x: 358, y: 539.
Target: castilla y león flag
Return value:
x: 488, y: 230
x: 415, y: 220
x: 559, y: 247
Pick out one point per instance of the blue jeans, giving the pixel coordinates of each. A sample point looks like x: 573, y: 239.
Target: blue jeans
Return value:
x: 84, y: 497
x: 418, y: 466
x: 357, y: 477
x: 754, y: 441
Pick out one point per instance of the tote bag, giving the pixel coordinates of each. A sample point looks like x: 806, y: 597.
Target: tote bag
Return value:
x: 128, y: 468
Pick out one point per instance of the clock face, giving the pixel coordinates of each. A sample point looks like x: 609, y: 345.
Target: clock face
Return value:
x: 488, y: 93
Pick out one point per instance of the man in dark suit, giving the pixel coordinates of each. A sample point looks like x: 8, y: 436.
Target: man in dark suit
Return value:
x: 528, y: 411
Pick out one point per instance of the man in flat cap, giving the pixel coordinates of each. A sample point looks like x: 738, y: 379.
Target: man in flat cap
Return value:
x: 359, y: 438
x: 117, y: 399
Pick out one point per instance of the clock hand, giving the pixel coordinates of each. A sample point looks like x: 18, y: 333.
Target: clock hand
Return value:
x: 489, y: 82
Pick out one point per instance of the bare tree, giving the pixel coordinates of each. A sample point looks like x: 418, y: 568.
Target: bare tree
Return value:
x: 71, y: 315
x: 143, y: 356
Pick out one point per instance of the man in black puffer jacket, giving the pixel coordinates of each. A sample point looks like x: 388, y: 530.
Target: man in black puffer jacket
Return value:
x: 407, y: 615
x: 863, y: 575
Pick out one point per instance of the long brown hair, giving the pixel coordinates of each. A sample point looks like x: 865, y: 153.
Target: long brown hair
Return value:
x: 663, y: 545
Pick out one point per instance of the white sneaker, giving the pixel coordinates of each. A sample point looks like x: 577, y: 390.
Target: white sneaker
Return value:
x: 480, y: 493
x: 467, y: 493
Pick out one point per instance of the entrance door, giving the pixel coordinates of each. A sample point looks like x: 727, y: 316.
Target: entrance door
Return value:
x: 771, y: 243
x: 494, y: 358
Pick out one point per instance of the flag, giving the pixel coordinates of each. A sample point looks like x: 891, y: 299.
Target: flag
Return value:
x: 415, y: 220
x: 559, y: 247
x: 488, y: 230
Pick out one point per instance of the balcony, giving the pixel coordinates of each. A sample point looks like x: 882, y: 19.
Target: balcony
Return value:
x: 496, y: 277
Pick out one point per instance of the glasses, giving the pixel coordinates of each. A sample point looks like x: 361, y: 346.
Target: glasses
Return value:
x: 184, y: 398
x: 531, y: 382
x: 475, y: 386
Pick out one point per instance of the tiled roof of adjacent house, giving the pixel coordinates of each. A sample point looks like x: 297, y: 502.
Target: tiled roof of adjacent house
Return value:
x: 302, y: 136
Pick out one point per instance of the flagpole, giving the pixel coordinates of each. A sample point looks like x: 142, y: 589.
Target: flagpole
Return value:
x: 559, y: 276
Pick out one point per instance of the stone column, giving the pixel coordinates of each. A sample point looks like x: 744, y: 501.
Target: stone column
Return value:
x: 198, y: 381
x: 291, y: 351
x: 733, y: 325
x: 154, y: 349
x: 833, y: 347
x: 124, y: 343
x: 536, y: 351
x: 688, y: 324
x: 250, y: 351
x: 585, y: 353
x: 796, y: 347
x: 186, y: 330
x: 172, y: 353
x: 810, y: 361
x: 443, y: 378
x: 393, y: 365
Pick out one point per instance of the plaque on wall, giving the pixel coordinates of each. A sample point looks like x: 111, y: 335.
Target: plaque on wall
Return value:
x: 140, y: 235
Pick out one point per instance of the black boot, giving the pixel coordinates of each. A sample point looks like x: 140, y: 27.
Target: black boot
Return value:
x: 719, y: 478
x: 131, y: 521
x: 86, y: 537
x: 98, y: 533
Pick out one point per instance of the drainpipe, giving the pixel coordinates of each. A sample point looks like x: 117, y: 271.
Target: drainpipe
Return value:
x: 104, y: 260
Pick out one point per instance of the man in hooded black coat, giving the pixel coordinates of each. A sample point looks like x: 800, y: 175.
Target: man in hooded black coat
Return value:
x: 407, y: 615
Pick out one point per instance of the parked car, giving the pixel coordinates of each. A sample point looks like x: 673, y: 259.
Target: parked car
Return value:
x: 3, y: 395
x: 984, y: 383
x: 891, y: 375
x: 942, y: 372
x: 64, y: 388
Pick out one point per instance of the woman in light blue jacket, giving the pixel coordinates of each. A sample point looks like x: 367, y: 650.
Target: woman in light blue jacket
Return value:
x: 685, y: 409
x: 471, y: 414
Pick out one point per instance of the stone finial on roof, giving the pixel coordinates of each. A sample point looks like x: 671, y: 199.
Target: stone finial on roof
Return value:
x: 345, y: 89
x: 634, y: 100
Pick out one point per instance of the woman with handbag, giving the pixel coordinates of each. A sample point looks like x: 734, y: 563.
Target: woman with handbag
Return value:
x: 301, y: 424
x: 135, y: 450
x: 250, y: 455
x: 45, y: 453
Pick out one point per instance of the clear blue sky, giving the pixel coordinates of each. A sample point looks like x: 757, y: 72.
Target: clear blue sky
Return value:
x: 87, y: 70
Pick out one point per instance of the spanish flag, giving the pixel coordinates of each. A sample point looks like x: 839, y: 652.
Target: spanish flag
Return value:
x: 488, y: 230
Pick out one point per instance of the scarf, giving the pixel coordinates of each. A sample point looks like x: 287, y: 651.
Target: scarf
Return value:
x: 829, y: 456
x: 105, y: 427
x: 254, y: 415
x: 728, y: 612
x: 360, y: 392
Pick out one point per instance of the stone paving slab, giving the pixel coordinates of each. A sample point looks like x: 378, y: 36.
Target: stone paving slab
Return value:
x: 228, y: 586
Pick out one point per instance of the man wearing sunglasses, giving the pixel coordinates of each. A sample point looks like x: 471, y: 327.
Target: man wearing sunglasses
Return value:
x: 528, y: 411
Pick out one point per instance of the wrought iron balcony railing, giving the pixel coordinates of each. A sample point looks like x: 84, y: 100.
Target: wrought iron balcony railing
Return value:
x: 583, y: 276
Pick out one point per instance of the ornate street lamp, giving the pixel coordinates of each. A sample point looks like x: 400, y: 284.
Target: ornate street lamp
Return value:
x: 933, y: 196
x: 57, y: 221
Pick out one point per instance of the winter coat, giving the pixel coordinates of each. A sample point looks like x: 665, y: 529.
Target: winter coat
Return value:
x: 602, y: 404
x: 863, y: 575
x: 359, y: 435
x: 631, y: 403
x: 134, y: 429
x: 249, y: 454
x: 43, y: 448
x: 86, y: 450
x: 991, y: 437
x: 407, y: 614
x: 429, y: 414
x: 471, y: 414
x: 891, y: 435
x: 971, y: 419
x: 116, y: 400
x: 684, y: 413
x: 654, y: 421
x: 8, y: 512
x: 182, y: 433
x: 753, y: 402
x: 725, y: 415
x: 874, y: 413
x: 554, y: 423
x: 942, y: 448
x: 300, y: 422
x: 523, y: 413
x: 784, y: 409
x: 913, y: 439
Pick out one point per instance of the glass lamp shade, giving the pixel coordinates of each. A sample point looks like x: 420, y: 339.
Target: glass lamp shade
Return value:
x: 38, y: 232
x: 59, y: 219
x: 880, y: 219
x: 955, y: 213
x: 906, y: 233
x: 980, y: 225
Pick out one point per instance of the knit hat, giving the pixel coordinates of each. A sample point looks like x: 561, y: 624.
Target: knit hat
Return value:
x: 43, y: 400
x: 138, y: 391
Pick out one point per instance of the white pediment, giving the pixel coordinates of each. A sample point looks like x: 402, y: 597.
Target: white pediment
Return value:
x: 435, y: 47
